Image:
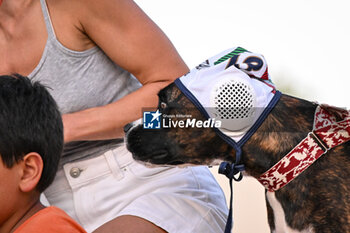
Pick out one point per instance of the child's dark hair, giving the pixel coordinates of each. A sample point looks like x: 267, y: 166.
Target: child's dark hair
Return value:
x: 29, y: 122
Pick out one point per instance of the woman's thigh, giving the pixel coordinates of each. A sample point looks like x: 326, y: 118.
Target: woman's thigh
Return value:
x: 113, y: 186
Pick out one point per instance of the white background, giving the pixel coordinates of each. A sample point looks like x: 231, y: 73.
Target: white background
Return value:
x: 305, y: 42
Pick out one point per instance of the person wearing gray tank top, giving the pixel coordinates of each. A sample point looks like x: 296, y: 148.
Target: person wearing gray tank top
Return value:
x: 103, y: 62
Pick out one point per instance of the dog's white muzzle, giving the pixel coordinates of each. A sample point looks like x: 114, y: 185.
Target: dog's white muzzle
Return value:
x: 233, y: 87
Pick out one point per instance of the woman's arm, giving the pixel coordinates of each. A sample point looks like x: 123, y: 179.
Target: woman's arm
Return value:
x: 134, y: 42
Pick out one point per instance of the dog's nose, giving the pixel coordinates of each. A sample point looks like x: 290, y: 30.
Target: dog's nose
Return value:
x: 127, y: 127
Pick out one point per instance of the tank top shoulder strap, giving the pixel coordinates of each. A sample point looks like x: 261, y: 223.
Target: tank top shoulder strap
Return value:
x: 49, y: 27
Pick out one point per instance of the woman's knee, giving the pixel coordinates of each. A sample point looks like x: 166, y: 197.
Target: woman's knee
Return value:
x: 129, y: 224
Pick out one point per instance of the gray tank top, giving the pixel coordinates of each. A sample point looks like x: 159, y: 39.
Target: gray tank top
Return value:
x: 81, y: 80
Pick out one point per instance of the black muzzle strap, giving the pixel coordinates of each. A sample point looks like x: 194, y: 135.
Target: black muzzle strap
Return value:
x: 230, y: 170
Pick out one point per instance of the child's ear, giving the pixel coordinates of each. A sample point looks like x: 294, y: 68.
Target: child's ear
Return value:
x: 32, y: 167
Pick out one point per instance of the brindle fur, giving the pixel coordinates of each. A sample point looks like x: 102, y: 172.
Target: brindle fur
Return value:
x: 319, y: 197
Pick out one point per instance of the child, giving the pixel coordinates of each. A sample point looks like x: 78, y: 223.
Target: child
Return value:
x: 31, y: 142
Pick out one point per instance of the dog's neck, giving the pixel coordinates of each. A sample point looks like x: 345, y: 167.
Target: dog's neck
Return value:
x: 287, y: 124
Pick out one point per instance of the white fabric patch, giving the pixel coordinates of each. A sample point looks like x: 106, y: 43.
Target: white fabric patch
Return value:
x: 234, y: 96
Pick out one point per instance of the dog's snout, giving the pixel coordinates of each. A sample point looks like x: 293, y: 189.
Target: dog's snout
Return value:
x: 127, y: 127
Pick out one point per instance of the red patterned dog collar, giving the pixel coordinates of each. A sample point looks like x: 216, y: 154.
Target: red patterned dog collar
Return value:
x: 328, y: 132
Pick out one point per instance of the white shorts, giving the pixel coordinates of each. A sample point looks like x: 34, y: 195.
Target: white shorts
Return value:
x: 179, y: 200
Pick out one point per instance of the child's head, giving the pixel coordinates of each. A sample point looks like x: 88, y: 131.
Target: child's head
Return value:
x: 31, y: 137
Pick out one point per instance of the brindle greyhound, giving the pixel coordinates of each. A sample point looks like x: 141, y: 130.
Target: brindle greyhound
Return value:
x: 318, y: 200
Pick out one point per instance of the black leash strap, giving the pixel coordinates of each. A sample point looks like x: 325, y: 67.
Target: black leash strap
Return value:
x: 230, y: 170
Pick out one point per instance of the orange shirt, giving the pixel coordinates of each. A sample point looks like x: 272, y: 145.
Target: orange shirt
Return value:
x: 50, y: 220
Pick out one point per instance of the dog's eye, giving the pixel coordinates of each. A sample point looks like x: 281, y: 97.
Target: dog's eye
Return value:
x: 163, y: 105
